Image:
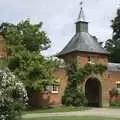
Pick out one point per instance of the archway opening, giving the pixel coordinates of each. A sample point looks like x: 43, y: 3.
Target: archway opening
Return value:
x: 93, y: 92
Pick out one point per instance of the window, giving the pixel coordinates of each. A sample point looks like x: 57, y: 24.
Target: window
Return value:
x: 51, y: 88
x: 89, y: 58
x: 118, y: 84
x: 54, y: 89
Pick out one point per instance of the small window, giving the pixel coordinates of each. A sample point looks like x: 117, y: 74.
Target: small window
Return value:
x: 89, y: 58
x: 118, y: 84
x: 51, y: 88
x: 55, y: 89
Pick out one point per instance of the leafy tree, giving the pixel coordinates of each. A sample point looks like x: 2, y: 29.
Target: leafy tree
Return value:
x: 113, y: 45
x: 24, y: 43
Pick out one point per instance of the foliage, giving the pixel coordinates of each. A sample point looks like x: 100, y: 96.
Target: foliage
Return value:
x: 113, y: 45
x: 115, y: 104
x: 13, y: 96
x: 3, y: 63
x: 74, y: 118
x: 74, y: 95
x: 24, y: 43
x: 78, y: 76
x: 113, y: 92
x: 33, y: 69
x: 24, y: 35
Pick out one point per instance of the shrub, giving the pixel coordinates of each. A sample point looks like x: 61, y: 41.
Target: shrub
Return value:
x: 74, y: 97
x: 113, y: 92
x: 13, y: 96
x: 115, y: 104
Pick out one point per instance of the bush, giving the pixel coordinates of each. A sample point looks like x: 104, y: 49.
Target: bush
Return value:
x: 74, y: 97
x: 113, y: 92
x: 13, y: 96
x: 115, y: 104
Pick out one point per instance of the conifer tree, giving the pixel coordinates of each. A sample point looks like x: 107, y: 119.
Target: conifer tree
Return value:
x: 113, y: 45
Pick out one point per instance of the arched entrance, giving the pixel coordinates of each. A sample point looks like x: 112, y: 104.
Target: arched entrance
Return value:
x: 93, y: 92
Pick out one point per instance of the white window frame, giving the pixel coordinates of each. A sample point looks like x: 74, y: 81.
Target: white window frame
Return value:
x: 118, y: 86
x: 52, y: 88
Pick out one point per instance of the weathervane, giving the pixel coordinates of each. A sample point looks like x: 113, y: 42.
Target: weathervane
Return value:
x: 81, y: 16
x: 81, y: 3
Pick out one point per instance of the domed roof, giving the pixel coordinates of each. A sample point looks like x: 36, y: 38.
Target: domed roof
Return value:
x: 83, y: 42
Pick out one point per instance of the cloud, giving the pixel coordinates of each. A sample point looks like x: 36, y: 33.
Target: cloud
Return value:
x: 59, y: 17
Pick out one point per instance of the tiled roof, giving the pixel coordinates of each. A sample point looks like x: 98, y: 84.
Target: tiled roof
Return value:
x: 83, y: 42
x: 113, y: 66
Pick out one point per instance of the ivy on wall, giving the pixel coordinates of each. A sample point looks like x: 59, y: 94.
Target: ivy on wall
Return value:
x: 78, y: 75
x: 74, y: 95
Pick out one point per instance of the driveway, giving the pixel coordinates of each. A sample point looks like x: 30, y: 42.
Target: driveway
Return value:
x: 105, y: 112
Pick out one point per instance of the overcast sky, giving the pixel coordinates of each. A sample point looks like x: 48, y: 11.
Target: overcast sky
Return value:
x: 59, y: 17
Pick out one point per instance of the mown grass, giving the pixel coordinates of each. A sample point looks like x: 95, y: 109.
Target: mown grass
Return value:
x: 56, y: 109
x: 73, y: 118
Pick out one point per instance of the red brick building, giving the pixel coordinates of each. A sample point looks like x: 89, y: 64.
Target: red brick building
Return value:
x: 84, y: 48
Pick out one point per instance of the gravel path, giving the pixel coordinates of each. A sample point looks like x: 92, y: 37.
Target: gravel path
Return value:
x: 105, y: 112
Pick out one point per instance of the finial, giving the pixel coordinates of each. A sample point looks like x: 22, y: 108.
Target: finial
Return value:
x: 81, y: 3
x: 81, y: 16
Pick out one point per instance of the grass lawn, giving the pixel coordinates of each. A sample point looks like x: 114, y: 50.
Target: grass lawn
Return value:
x: 56, y: 109
x: 73, y: 118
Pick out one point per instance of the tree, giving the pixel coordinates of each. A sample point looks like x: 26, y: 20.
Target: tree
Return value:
x: 13, y: 96
x: 24, y: 43
x: 113, y: 45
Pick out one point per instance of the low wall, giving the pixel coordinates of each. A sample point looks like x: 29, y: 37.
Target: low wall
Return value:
x: 115, y: 99
x: 44, y: 99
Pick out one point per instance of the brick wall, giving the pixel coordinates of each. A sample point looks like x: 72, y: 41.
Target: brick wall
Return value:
x: 48, y: 99
x: 2, y: 47
x: 110, y: 82
x: 82, y: 58
x: 61, y: 74
x: 43, y: 99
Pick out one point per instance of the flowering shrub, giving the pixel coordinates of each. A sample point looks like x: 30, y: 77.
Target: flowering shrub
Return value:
x: 13, y: 96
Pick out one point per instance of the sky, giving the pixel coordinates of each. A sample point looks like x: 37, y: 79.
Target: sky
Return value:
x: 59, y: 16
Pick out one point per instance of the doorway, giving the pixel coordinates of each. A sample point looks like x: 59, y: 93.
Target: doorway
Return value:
x: 93, y: 92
